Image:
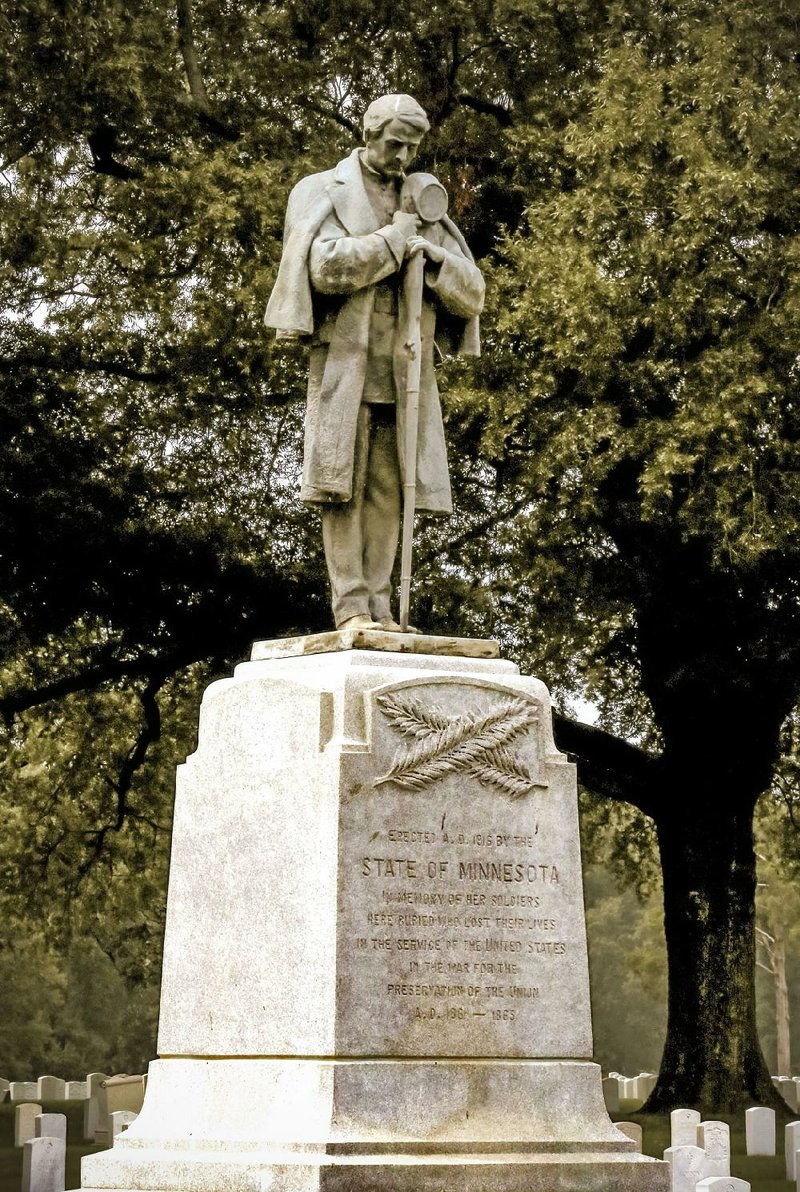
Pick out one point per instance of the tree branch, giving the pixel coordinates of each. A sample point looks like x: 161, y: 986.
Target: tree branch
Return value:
x: 194, y: 74
x: 109, y: 670
x: 149, y: 733
x: 112, y: 368
x: 331, y: 114
x: 503, y: 116
x: 486, y: 523
x: 24, y: 149
x: 609, y: 766
x: 103, y: 143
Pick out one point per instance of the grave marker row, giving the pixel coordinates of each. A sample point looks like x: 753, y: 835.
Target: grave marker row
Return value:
x: 46, y: 1088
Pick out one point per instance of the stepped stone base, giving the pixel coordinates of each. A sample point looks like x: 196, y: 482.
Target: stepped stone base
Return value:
x: 375, y: 974
x: 249, y: 1125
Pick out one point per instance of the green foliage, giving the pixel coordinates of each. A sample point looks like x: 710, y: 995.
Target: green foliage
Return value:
x: 643, y: 370
x: 64, y: 1014
x: 625, y: 455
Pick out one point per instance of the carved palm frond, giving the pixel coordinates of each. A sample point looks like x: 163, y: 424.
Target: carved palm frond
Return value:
x: 441, y: 745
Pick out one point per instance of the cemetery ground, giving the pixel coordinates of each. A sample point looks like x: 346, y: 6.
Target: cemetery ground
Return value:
x: 11, y: 1156
x: 764, y: 1173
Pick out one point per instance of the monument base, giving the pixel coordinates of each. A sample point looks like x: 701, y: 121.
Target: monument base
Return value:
x: 248, y: 1125
x: 375, y: 973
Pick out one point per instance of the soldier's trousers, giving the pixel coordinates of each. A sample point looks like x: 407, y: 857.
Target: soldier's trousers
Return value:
x: 361, y: 537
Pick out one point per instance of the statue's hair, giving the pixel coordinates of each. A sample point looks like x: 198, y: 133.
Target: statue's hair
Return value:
x: 394, y: 107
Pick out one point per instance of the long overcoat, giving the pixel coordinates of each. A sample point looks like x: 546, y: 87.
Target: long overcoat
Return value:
x: 334, y: 254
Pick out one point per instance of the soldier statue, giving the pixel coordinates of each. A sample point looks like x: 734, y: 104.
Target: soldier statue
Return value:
x: 348, y: 236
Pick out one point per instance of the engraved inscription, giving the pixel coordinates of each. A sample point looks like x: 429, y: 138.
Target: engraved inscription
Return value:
x: 476, y: 743
x: 460, y: 948
x: 460, y: 928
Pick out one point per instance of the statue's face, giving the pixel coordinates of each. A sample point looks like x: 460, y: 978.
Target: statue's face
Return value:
x: 391, y: 151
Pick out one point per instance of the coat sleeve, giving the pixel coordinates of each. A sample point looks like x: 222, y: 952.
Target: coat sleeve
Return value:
x: 457, y: 283
x: 342, y: 264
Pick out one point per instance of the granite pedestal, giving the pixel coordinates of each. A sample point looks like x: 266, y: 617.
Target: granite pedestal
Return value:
x: 375, y: 974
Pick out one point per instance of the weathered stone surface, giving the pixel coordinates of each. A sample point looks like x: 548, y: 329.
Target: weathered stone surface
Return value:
x: 375, y: 639
x: 22, y: 1090
x: 375, y: 944
x: 683, y: 1127
x: 715, y: 1139
x: 688, y: 1167
x: 43, y: 1164
x: 759, y: 1127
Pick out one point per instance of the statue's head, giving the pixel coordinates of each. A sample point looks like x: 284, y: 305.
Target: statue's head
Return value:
x: 394, y: 125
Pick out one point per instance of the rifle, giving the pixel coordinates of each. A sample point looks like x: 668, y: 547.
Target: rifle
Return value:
x: 424, y: 195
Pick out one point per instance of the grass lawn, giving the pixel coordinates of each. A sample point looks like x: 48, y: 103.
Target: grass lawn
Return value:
x: 763, y: 1174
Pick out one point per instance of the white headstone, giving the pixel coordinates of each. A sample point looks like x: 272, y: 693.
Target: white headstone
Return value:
x: 43, y: 1165
x: 628, y: 1091
x: 5, y: 1085
x: 715, y: 1139
x: 759, y: 1128
x: 683, y: 1127
x: 611, y: 1094
x: 91, y: 1107
x: 787, y: 1088
x: 645, y: 1083
x: 688, y: 1164
x: 24, y: 1119
x: 120, y: 1120
x: 50, y: 1088
x: 632, y: 1130
x: 791, y: 1147
x: 51, y: 1125
x: 723, y: 1183
x: 75, y: 1090
x: 22, y: 1090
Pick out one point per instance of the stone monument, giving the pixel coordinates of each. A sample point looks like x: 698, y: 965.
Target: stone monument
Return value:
x: 375, y: 972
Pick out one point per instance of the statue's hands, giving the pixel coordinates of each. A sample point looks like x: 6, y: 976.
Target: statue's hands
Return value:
x: 407, y: 222
x: 433, y: 252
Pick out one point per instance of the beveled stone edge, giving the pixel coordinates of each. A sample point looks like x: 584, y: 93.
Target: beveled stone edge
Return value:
x: 374, y: 639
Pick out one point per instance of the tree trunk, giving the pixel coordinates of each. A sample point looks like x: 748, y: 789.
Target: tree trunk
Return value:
x: 712, y: 1057
x: 782, y: 1015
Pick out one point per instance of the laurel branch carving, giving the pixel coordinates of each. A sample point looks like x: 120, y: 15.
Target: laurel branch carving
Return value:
x: 440, y: 745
